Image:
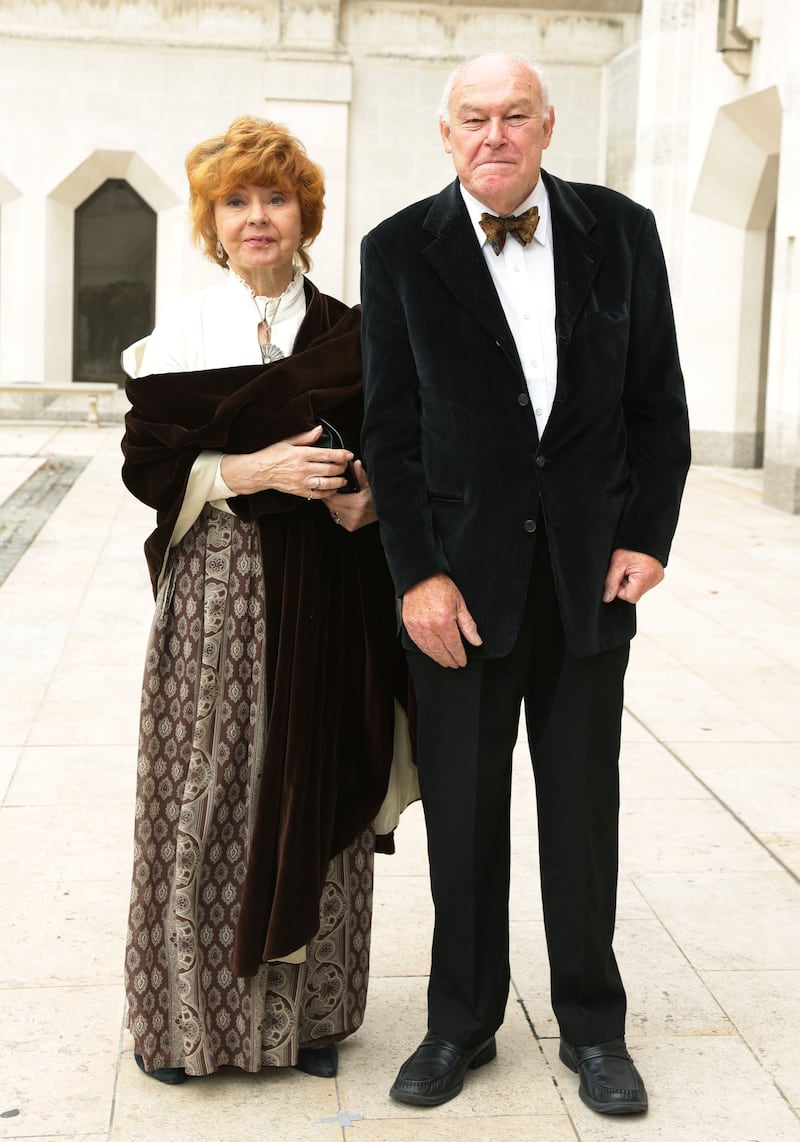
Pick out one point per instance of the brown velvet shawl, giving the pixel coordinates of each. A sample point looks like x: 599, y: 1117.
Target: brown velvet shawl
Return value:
x: 331, y: 645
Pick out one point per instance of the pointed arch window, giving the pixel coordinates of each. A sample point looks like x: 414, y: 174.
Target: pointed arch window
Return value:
x: 115, y: 260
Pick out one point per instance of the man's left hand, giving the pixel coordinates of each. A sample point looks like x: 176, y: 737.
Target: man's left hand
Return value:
x: 352, y: 510
x: 630, y: 574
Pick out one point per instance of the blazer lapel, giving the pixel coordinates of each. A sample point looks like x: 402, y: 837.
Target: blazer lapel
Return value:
x: 458, y: 259
x: 576, y: 255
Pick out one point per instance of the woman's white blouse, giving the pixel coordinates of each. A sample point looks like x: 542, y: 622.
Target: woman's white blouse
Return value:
x: 216, y: 328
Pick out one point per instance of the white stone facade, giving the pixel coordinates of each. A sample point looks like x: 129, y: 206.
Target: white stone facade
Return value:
x: 718, y: 159
x: 644, y: 100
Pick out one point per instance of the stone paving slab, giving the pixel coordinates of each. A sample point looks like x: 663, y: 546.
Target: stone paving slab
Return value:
x: 709, y: 908
x: 25, y: 511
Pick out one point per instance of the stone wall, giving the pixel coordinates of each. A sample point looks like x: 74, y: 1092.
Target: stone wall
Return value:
x: 108, y: 89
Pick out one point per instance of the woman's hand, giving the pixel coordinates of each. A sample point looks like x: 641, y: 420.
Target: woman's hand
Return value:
x: 293, y: 466
x: 355, y: 509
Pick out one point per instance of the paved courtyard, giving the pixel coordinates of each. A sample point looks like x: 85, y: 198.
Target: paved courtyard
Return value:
x: 709, y: 915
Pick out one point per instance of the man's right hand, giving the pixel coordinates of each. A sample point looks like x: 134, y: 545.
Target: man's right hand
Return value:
x: 437, y: 620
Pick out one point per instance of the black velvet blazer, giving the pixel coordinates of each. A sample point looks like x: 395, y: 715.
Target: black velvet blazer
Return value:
x: 457, y: 469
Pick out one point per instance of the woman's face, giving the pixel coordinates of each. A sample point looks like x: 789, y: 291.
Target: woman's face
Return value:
x: 260, y: 230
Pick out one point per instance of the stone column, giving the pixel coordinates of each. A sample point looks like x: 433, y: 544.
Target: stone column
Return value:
x: 20, y: 289
x: 782, y: 444
x: 25, y: 273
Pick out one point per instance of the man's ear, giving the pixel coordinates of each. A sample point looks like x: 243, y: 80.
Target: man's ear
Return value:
x: 444, y: 131
x: 548, y: 123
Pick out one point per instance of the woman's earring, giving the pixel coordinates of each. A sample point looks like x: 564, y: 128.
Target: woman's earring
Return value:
x: 220, y: 250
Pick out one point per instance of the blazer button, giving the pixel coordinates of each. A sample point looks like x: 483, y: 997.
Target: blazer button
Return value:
x: 530, y: 525
x: 523, y: 399
x: 541, y: 461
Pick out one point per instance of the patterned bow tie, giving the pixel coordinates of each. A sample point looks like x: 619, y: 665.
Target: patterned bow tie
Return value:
x: 522, y: 226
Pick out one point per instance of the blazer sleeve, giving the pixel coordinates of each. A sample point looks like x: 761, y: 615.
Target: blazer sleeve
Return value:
x: 654, y: 407
x: 391, y: 432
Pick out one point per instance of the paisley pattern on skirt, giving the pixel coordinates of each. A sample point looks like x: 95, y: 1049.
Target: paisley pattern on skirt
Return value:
x: 202, y: 729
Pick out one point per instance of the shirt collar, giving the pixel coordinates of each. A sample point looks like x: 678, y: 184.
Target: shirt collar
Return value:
x: 537, y: 197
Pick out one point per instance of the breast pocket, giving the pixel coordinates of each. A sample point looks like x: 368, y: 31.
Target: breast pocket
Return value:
x: 608, y: 319
x: 601, y: 348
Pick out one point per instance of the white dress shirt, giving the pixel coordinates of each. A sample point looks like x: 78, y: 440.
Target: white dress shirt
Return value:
x: 524, y: 277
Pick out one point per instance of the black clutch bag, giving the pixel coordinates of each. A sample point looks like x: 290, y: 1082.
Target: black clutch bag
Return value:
x: 332, y: 438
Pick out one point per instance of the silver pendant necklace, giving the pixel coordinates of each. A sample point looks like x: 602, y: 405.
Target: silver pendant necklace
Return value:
x: 269, y: 350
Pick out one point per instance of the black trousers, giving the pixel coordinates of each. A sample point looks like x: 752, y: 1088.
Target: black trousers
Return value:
x: 467, y: 727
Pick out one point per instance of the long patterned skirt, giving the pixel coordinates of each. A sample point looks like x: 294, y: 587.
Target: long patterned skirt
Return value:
x: 203, y: 721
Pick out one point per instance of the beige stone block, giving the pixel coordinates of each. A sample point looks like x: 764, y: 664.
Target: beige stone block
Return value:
x: 59, y: 1048
x: 65, y: 843
x: 631, y: 904
x: 692, y: 638
x: 34, y: 581
x: 109, y: 721
x: 280, y: 1104
x: 708, y: 759
x: 9, y: 756
x: 21, y: 704
x: 24, y: 440
x: 79, y: 682
x: 402, y: 927
x: 73, y: 775
x: 758, y: 781
x: 686, y: 836
x: 728, y: 921
x: 765, y: 1008
x: 420, y: 1126
x: 677, y: 705
x: 786, y: 848
x: 632, y: 728
x: 64, y: 934
x: 768, y: 693
x: 31, y: 649
x: 665, y: 994
x: 106, y: 636
x: 648, y: 771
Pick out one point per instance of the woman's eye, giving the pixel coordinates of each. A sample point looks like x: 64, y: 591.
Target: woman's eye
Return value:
x: 277, y: 200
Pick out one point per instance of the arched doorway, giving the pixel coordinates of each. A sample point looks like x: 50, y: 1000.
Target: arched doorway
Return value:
x: 115, y: 261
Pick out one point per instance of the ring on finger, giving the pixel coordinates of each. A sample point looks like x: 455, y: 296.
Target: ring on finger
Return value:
x: 318, y: 483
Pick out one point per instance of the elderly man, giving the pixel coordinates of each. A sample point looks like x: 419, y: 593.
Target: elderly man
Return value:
x: 527, y: 442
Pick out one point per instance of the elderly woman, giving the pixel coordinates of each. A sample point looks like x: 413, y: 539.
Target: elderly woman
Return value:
x: 267, y: 710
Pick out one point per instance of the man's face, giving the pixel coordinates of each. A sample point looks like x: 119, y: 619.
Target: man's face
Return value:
x: 497, y: 132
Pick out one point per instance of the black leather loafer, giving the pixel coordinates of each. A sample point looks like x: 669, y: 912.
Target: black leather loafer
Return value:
x: 435, y: 1072
x: 610, y: 1083
x: 172, y: 1076
x: 320, y: 1061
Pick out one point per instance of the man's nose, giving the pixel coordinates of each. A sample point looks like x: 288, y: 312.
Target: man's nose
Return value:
x: 495, y: 135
